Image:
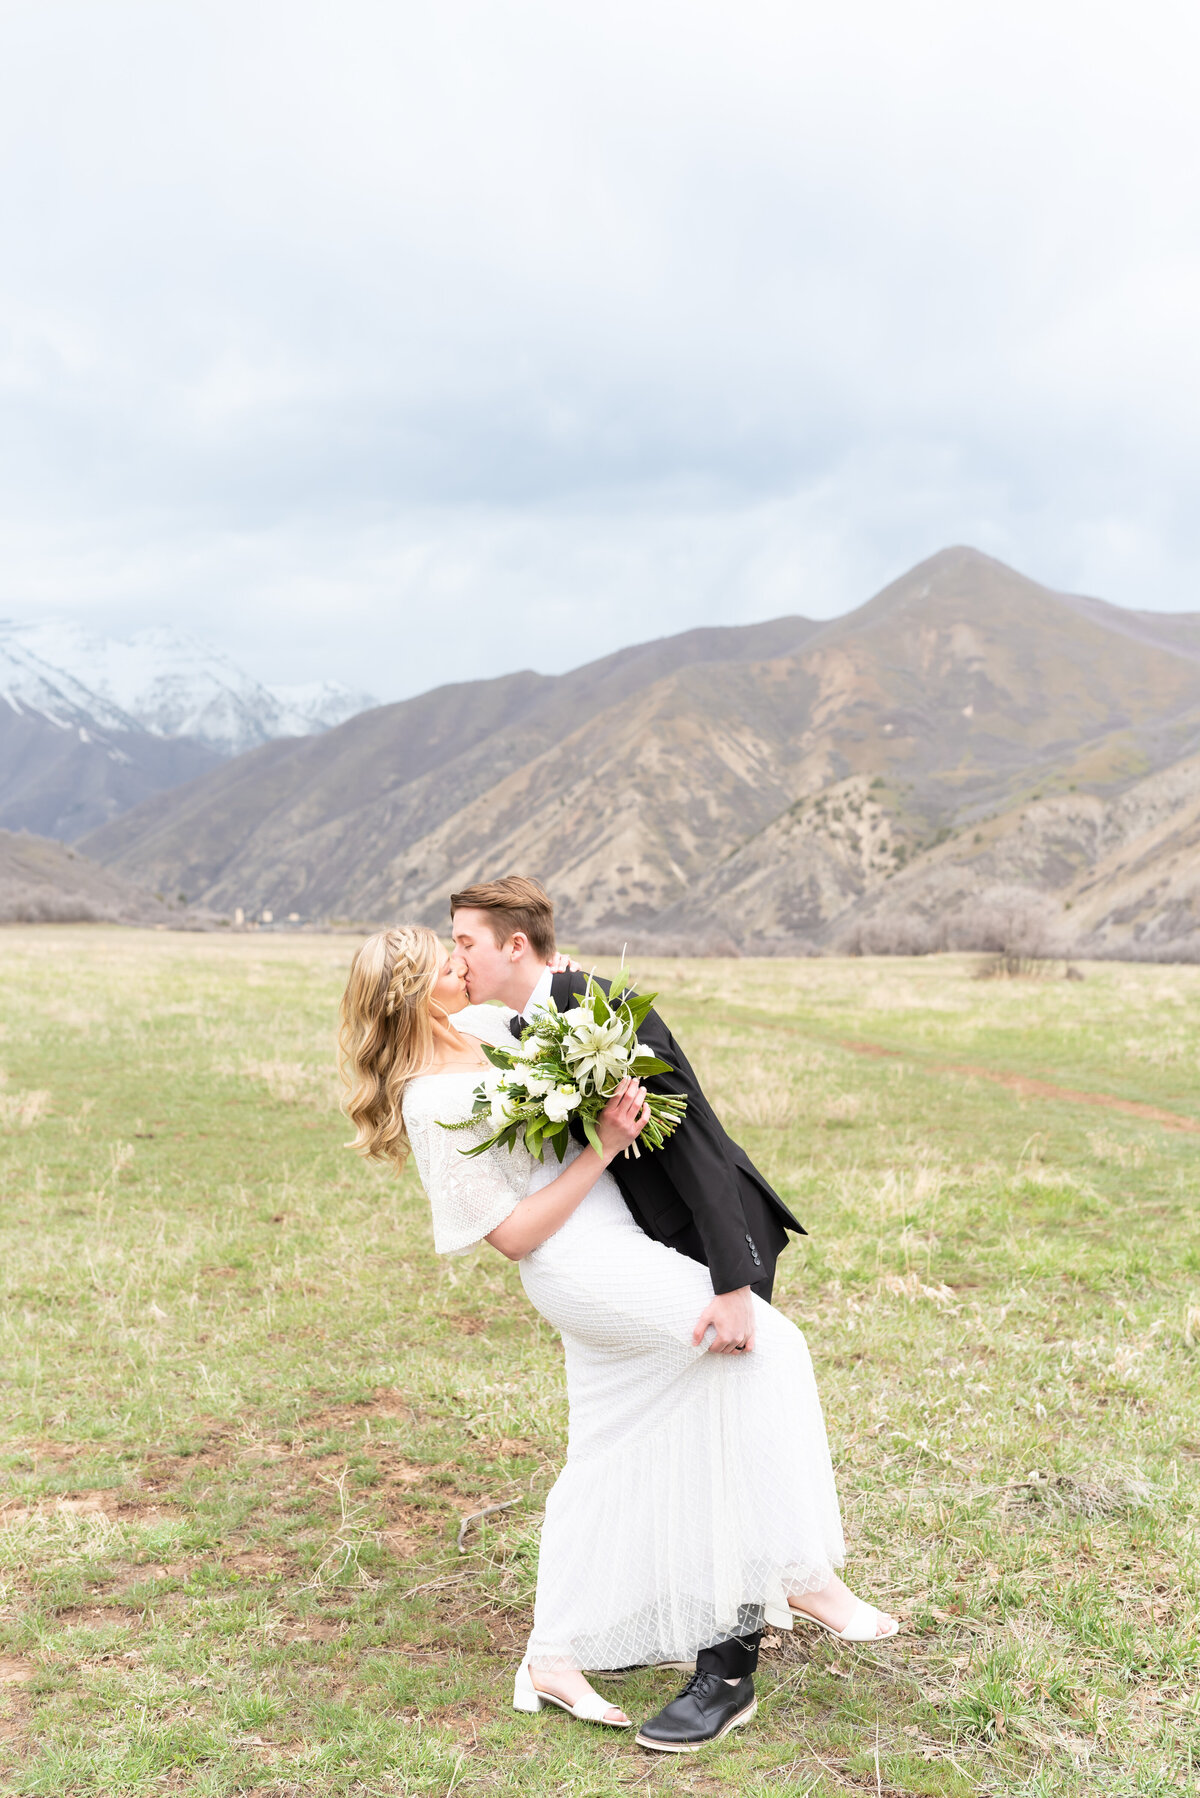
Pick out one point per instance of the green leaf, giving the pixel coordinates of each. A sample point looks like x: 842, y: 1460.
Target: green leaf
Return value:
x: 601, y: 1009
x: 589, y: 1130
x: 499, y: 1058
x: 482, y: 1147
x: 557, y: 1135
x: 649, y: 1064
x: 639, y: 1005
x: 624, y: 979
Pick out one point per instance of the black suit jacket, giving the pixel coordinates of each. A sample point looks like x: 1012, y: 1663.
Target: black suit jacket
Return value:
x: 700, y: 1193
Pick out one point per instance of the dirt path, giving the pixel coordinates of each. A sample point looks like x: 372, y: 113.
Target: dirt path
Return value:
x: 1029, y: 1088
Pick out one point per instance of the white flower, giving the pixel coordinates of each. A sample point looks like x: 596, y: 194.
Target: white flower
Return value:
x: 560, y: 1103
x: 517, y: 1079
x: 596, y: 1052
x: 536, y: 1085
x: 496, y: 1088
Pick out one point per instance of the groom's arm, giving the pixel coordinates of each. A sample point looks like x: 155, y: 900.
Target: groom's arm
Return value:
x: 696, y: 1160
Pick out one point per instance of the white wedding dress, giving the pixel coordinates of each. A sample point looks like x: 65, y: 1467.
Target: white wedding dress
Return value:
x: 697, y: 1492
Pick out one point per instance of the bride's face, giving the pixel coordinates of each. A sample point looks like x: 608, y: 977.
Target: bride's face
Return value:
x: 449, y: 991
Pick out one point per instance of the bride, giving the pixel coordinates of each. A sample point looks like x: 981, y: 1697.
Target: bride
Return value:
x: 697, y: 1499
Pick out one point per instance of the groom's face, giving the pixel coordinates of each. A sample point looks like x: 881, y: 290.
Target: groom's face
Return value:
x: 488, y: 963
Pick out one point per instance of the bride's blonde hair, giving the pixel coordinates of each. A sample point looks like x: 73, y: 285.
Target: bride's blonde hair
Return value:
x: 386, y: 1034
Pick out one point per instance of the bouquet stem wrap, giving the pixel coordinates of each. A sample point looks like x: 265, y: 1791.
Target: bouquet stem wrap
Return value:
x: 568, y: 1065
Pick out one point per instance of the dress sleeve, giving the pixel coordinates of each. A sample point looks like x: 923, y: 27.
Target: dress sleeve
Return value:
x: 468, y: 1195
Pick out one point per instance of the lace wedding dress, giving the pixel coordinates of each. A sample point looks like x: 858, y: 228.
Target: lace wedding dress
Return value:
x: 697, y: 1491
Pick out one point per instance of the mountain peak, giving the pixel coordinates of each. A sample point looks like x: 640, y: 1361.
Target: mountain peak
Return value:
x: 965, y: 581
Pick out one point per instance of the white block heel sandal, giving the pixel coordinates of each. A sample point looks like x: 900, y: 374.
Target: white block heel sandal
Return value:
x: 864, y: 1619
x: 590, y: 1709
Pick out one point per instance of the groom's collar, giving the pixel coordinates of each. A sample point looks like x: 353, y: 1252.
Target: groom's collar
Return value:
x: 539, y: 998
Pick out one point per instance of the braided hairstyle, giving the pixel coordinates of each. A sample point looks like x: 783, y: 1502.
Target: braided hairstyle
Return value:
x: 386, y: 1034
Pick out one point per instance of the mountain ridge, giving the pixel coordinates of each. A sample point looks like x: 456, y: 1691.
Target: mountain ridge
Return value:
x: 769, y: 781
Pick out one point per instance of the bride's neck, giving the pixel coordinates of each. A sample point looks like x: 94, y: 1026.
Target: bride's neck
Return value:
x: 448, y: 1044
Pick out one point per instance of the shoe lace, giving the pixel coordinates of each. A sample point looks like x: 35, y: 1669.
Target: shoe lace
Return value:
x: 699, y: 1680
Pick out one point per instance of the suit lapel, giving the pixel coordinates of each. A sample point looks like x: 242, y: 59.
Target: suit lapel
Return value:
x: 560, y: 989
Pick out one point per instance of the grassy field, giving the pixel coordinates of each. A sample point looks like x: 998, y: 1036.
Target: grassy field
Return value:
x: 247, y: 1409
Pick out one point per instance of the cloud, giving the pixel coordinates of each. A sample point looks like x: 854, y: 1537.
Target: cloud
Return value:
x: 502, y: 336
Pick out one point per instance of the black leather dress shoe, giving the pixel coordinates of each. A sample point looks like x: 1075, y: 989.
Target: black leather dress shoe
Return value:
x: 707, y: 1709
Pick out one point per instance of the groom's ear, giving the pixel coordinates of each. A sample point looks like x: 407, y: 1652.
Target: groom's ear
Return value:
x: 517, y: 945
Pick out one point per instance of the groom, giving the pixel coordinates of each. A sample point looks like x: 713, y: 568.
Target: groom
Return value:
x: 700, y: 1194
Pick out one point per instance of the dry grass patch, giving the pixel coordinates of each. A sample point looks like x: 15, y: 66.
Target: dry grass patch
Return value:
x: 20, y: 1111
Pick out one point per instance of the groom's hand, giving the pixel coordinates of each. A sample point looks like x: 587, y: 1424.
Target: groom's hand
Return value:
x: 731, y: 1315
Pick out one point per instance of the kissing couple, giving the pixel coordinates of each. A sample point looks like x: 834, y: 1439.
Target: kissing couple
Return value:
x: 697, y: 1502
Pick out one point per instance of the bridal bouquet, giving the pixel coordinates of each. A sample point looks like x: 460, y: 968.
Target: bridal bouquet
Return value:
x: 568, y: 1064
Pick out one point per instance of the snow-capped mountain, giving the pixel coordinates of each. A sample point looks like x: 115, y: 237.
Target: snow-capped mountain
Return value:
x: 90, y: 726
x: 163, y: 681
x: 323, y: 703
x: 33, y: 685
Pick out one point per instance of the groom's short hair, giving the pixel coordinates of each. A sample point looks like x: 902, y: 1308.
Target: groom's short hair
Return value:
x: 514, y: 903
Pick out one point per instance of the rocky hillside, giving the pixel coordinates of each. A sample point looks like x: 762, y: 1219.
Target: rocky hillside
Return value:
x: 787, y: 784
x: 44, y: 882
x: 1068, y: 871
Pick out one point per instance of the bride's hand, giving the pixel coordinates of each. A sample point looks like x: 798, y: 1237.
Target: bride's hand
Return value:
x: 623, y: 1118
x: 562, y: 964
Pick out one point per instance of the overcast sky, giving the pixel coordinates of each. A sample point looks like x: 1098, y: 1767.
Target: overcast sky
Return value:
x: 402, y: 343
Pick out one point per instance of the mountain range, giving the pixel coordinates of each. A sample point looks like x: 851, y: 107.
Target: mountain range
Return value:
x: 91, y: 725
x: 965, y: 735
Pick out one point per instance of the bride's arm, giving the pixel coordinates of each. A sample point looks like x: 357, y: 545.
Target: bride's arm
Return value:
x: 536, y: 1218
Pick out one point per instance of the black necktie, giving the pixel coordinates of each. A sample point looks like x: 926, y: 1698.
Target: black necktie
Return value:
x: 517, y: 1025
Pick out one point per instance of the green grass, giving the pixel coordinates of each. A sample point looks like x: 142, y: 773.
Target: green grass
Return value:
x: 247, y: 1407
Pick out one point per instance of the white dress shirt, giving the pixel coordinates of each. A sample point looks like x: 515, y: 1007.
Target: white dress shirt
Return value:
x: 539, y: 998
